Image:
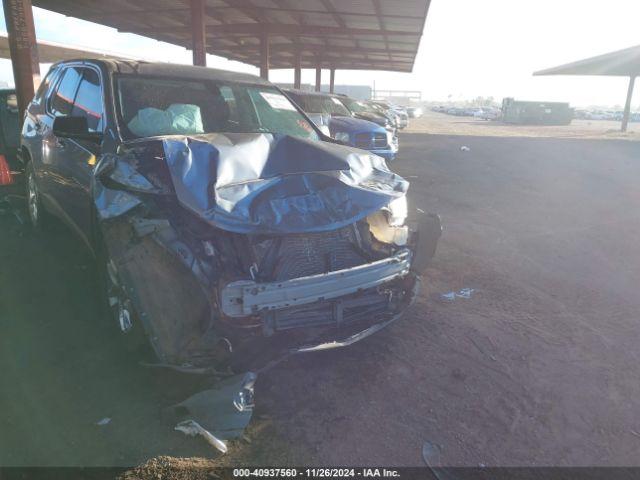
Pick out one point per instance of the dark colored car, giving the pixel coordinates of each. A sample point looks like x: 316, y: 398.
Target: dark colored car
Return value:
x: 224, y: 223
x: 366, y: 111
x: 10, y: 167
x: 402, y: 119
x: 343, y: 126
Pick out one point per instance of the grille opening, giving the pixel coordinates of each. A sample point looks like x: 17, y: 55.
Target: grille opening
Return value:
x: 292, y: 256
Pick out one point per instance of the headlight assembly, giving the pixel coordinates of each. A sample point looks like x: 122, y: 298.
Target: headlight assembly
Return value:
x: 341, y: 137
x: 398, y: 211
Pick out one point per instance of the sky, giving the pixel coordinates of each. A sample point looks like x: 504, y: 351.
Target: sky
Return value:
x: 469, y: 48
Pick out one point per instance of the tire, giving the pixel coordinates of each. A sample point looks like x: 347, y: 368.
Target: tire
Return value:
x: 38, y: 217
x: 116, y: 306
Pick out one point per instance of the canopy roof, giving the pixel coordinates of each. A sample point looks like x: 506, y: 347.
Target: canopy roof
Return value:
x: 625, y: 63
x: 354, y: 34
x: 50, y: 52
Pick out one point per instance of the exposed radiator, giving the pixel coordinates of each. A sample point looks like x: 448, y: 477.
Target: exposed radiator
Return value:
x: 293, y: 256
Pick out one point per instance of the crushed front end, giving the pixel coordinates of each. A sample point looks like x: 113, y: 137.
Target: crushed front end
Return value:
x: 220, y: 259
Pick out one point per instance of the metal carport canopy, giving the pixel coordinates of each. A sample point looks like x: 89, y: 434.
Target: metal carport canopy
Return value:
x: 621, y: 63
x: 334, y: 34
x: 50, y: 52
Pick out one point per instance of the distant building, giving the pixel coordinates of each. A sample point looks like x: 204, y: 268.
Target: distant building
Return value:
x: 399, y: 97
x: 536, y: 113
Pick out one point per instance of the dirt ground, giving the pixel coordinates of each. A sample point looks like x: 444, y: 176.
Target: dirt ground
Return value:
x: 538, y: 367
x: 440, y: 123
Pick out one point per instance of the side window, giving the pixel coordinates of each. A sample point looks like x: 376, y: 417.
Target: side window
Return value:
x: 62, y: 98
x: 45, y: 85
x: 88, y: 100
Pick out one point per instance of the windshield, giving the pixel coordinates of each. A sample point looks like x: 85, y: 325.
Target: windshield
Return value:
x: 356, y: 106
x: 323, y: 104
x: 150, y: 106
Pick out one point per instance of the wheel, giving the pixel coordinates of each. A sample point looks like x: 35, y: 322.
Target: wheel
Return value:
x: 38, y: 216
x: 116, y: 305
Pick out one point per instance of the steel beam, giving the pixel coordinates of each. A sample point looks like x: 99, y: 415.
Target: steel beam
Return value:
x: 627, y: 105
x: 198, y: 35
x: 264, y: 56
x: 332, y: 80
x: 297, y: 72
x: 318, y: 78
x: 309, y: 48
x: 18, y: 17
x: 256, y: 29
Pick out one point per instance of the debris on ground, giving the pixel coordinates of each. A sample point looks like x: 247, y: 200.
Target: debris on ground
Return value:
x: 431, y: 454
x: 103, y: 422
x: 464, y: 148
x: 220, y: 413
x: 463, y: 293
x: 189, y: 427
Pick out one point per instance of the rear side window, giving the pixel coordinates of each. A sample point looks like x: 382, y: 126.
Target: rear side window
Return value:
x: 43, y: 89
x: 62, y: 100
x: 88, y: 100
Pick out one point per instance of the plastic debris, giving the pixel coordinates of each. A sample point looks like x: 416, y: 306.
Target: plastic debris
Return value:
x: 451, y: 296
x: 222, y: 412
x: 464, y: 148
x: 193, y: 428
x: 103, y: 422
x: 431, y: 453
x: 463, y: 293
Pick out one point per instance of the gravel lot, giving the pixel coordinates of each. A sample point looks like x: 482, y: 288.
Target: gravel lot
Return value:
x: 538, y: 367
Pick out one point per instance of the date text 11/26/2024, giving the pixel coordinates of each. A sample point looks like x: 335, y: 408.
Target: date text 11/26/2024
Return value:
x: 315, y: 473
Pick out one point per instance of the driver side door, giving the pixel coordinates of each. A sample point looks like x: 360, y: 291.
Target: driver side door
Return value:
x: 72, y: 160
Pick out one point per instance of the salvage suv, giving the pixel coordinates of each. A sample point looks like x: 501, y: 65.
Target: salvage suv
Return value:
x: 222, y: 219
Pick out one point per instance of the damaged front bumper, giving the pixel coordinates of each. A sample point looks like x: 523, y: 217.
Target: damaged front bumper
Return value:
x: 246, y: 297
x: 361, y: 335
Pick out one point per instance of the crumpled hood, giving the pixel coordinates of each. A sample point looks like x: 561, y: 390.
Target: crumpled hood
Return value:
x: 277, y: 184
x: 351, y: 124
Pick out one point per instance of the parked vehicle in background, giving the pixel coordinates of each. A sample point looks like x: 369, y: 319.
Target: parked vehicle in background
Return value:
x: 343, y: 126
x: 487, y: 113
x: 224, y: 223
x: 391, y: 117
x: 400, y: 117
x: 457, y: 111
x: 414, y: 112
x: 10, y: 167
x: 366, y: 111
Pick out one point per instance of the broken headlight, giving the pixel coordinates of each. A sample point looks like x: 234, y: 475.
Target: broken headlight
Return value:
x: 398, y: 211
x: 387, y: 225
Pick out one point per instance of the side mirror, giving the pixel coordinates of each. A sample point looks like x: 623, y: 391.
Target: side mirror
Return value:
x: 74, y: 127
